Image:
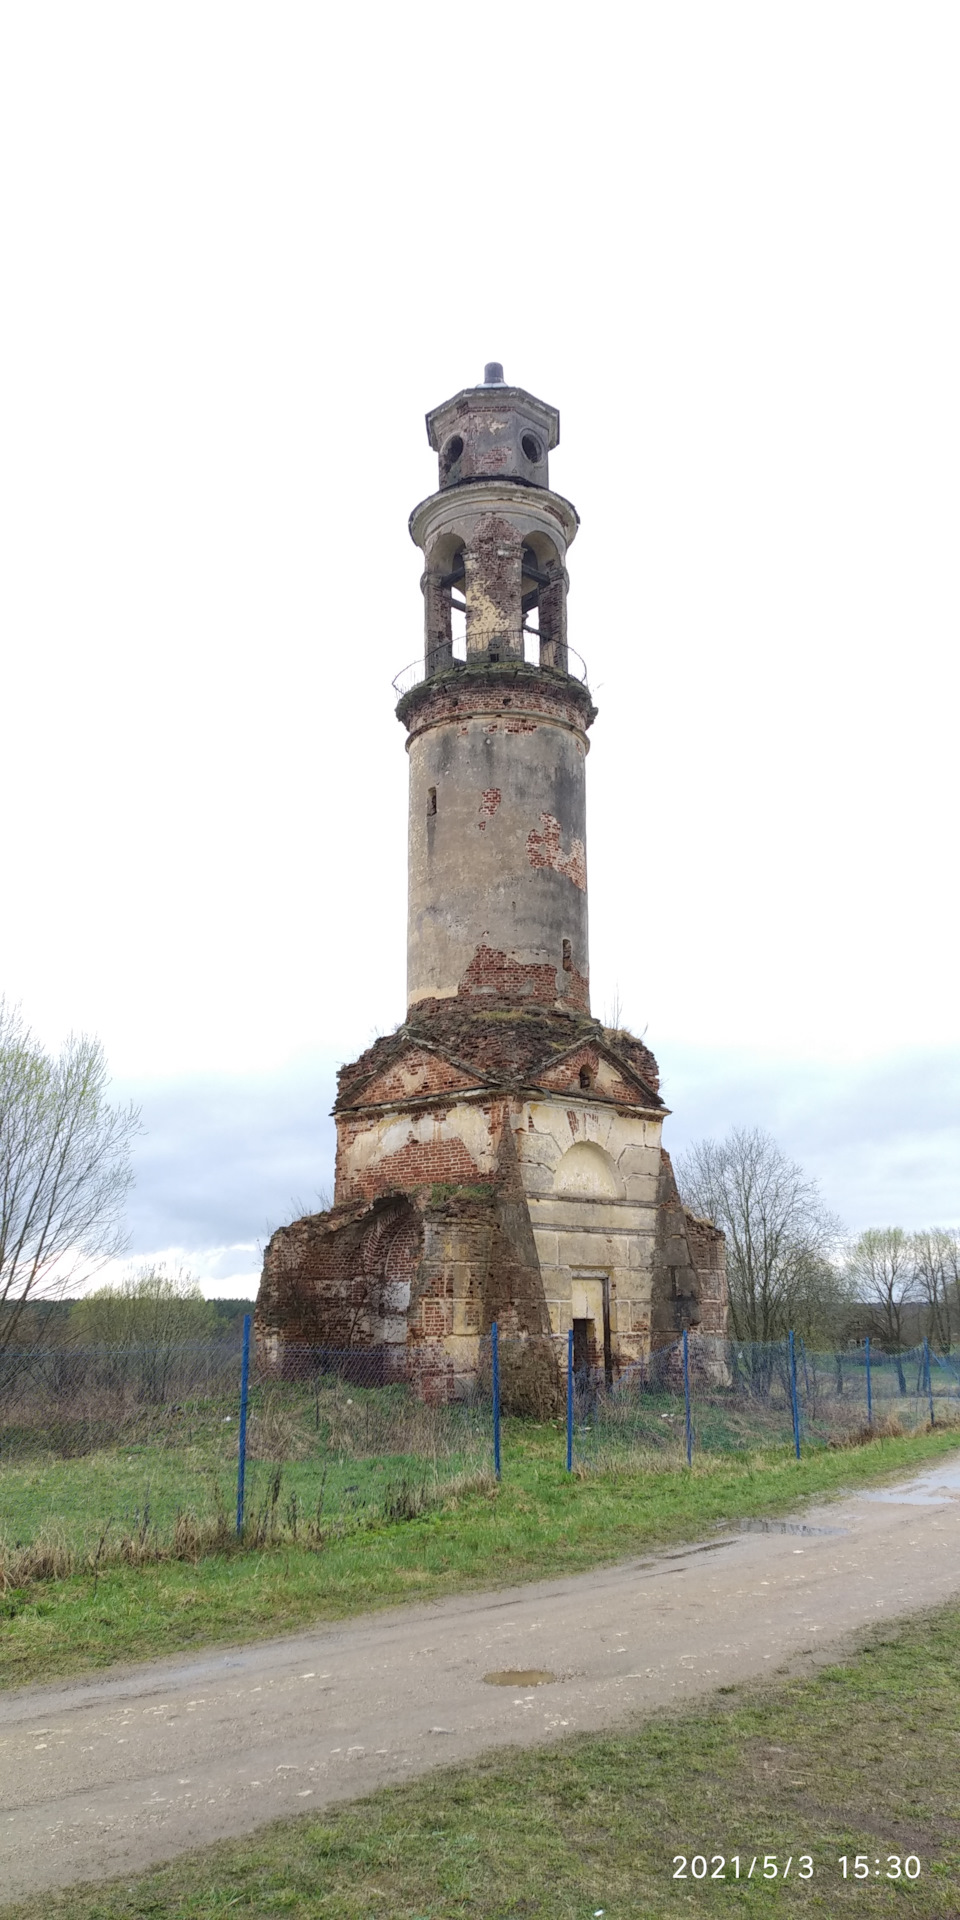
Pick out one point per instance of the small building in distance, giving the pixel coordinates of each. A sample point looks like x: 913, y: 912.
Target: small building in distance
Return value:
x: 499, y: 1156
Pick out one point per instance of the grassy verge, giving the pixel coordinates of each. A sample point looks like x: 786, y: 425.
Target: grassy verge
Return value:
x: 539, y: 1523
x: 862, y: 1759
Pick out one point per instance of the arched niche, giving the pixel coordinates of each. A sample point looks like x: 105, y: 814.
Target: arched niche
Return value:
x: 390, y: 1253
x: 587, y: 1172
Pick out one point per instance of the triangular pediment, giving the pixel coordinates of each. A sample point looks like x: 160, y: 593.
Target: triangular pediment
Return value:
x: 590, y: 1071
x: 415, y: 1073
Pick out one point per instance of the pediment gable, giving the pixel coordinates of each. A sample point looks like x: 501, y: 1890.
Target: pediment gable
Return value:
x: 415, y: 1073
x: 589, y: 1070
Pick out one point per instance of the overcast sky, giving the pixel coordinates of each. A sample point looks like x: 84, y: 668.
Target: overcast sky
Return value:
x: 245, y: 248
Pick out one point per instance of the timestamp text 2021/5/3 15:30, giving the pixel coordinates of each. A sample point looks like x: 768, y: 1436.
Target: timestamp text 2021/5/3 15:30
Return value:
x: 801, y: 1866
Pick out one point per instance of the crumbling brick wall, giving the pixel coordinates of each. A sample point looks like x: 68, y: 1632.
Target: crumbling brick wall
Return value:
x: 328, y: 1278
x: 708, y: 1252
x: 676, y: 1286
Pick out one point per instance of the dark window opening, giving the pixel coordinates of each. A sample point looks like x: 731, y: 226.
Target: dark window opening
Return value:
x: 431, y: 799
x: 446, y: 614
x: 586, y: 1077
x: 567, y: 957
x: 532, y: 578
x: 583, y: 1344
x: 451, y: 453
x: 494, y: 655
x: 531, y: 447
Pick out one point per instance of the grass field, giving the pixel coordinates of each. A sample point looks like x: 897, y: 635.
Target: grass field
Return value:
x: 124, y: 1479
x: 343, y: 1452
x: 539, y: 1522
x: 862, y: 1759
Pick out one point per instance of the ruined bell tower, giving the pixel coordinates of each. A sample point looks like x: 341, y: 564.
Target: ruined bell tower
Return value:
x: 499, y: 1156
x: 497, y: 738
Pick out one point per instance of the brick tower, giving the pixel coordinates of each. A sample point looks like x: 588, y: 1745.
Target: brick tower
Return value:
x: 499, y: 1156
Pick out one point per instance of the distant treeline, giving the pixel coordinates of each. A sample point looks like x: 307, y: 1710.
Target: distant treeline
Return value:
x: 124, y: 1317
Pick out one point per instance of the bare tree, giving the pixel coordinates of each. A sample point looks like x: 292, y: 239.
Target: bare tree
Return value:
x: 882, y: 1273
x: 951, y: 1258
x: 781, y: 1238
x: 64, y: 1168
x: 932, y: 1273
x: 936, y: 1259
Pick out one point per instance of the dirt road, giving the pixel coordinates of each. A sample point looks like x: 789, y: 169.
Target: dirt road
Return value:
x: 111, y: 1775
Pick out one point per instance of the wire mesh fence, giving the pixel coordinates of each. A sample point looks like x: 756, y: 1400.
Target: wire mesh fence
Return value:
x: 143, y: 1450
x: 157, y: 1448
x: 713, y: 1396
x: 344, y: 1435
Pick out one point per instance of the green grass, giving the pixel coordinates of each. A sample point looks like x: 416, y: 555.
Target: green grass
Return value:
x: 344, y: 1452
x: 862, y: 1758
x: 540, y: 1523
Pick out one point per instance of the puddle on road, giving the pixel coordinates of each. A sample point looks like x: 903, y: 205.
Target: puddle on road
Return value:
x: 903, y: 1497
x: 938, y: 1487
x: 785, y: 1526
x: 520, y: 1677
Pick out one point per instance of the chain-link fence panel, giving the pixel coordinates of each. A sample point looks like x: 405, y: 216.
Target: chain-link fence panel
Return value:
x: 133, y: 1451
x: 634, y: 1415
x: 123, y: 1445
x: 706, y: 1395
x: 336, y: 1438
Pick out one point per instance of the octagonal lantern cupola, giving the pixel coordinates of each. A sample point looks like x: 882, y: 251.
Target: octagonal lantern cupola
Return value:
x: 493, y: 432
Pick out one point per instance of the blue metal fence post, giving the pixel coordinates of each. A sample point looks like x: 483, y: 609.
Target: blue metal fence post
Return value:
x: 793, y: 1396
x: 869, y: 1386
x: 686, y: 1396
x: 242, y: 1438
x: 926, y: 1368
x: 570, y: 1401
x: 495, y: 1369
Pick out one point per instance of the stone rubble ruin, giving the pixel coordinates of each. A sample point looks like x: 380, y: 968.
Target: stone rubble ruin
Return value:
x: 499, y: 1156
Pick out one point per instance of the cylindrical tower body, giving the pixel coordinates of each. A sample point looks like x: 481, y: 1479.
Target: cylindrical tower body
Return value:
x: 497, y: 738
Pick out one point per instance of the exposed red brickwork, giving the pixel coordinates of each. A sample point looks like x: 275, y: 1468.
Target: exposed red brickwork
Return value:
x: 419, y: 1164
x: 491, y: 690
x: 417, y: 1072
x: 498, y: 1042
x: 545, y: 850
x: 493, y: 559
x: 708, y: 1251
x: 324, y: 1277
x: 677, y: 1297
x: 576, y: 990
x: 436, y: 1318
x: 490, y: 800
x: 494, y: 975
x: 635, y: 1054
x: 565, y: 1078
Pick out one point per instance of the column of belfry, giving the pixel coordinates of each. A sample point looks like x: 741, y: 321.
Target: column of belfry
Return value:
x: 499, y: 1155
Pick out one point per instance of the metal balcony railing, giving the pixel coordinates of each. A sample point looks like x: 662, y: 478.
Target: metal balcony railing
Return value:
x: 497, y: 650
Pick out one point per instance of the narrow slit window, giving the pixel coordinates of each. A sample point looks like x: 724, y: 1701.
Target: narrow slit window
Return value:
x: 586, y: 1078
x: 567, y: 957
x: 431, y: 800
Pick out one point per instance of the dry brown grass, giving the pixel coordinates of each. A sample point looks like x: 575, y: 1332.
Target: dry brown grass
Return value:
x: 274, y: 1522
x: 891, y: 1427
x: 46, y: 1558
